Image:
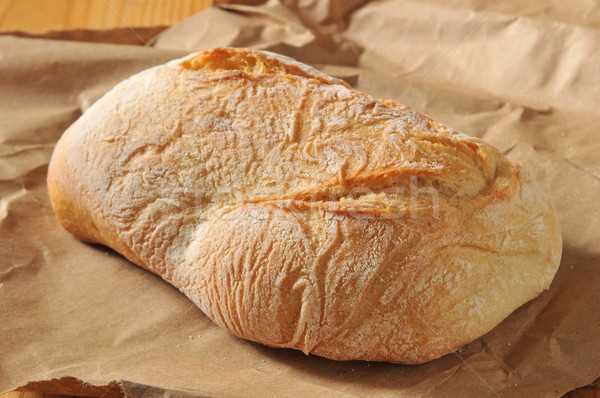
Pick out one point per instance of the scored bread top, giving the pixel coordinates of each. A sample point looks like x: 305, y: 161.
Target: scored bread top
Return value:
x: 298, y: 212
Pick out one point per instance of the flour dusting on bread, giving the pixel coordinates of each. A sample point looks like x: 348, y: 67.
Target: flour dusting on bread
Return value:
x: 298, y: 212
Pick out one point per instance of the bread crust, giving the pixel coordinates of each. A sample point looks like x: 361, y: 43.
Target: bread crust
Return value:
x: 298, y: 212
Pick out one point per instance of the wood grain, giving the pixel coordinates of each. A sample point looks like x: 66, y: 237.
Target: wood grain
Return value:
x: 37, y: 16
x: 19, y: 394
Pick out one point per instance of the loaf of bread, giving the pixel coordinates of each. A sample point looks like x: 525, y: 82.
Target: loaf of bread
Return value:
x: 297, y: 212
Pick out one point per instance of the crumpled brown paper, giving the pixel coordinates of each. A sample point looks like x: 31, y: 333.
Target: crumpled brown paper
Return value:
x: 526, y: 78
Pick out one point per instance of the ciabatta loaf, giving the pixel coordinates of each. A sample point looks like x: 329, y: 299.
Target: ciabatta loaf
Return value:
x: 298, y: 212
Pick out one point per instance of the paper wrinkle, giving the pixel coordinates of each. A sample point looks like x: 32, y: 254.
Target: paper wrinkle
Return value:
x: 324, y: 16
x: 523, y: 76
x: 7, y: 199
x: 437, y: 384
x: 266, y: 26
x: 566, y: 56
x: 580, y: 13
x: 583, y: 169
x: 273, y: 12
x: 292, y: 38
x: 6, y: 273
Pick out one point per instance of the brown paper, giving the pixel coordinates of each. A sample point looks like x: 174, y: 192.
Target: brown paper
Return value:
x: 526, y: 78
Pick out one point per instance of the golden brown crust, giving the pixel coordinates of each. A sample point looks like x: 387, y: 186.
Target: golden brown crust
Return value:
x: 297, y: 212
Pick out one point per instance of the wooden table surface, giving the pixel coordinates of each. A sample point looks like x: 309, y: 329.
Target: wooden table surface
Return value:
x: 40, y: 16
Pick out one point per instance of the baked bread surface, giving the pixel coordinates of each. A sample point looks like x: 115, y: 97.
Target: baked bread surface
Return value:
x: 298, y: 212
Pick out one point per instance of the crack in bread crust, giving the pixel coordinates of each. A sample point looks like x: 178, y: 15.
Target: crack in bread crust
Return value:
x: 297, y: 212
